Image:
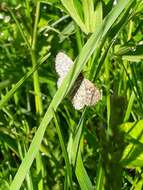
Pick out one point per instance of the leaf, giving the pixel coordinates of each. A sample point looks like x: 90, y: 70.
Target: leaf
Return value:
x: 88, y: 9
x: 92, y: 18
x: 75, y: 154
x: 100, y: 177
x: 64, y: 151
x: 4, y: 185
x: 69, y: 5
x: 139, y: 185
x: 132, y: 154
x: 130, y: 53
x: 129, y: 107
x: 133, y: 129
x: 98, y: 16
x: 82, y: 175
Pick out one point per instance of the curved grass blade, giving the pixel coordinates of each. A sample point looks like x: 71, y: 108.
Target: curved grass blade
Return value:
x: 82, y: 175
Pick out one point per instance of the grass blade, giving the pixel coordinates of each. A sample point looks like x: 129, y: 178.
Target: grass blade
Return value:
x: 69, y: 171
x: 82, y: 175
x: 69, y: 5
x: 100, y: 177
x: 20, y: 82
x: 129, y: 108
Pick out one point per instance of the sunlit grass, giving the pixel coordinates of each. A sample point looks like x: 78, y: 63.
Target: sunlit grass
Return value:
x: 47, y: 144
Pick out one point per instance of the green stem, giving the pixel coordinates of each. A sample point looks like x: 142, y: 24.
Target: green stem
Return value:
x: 36, y: 25
x: 107, y: 71
x: 38, y: 100
x: 79, y: 39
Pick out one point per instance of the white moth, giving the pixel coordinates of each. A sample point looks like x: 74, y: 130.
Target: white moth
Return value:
x: 87, y: 93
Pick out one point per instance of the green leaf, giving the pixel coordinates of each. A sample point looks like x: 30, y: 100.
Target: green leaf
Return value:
x: 139, y: 185
x: 133, y: 129
x: 88, y: 8
x: 98, y: 16
x: 100, y: 177
x: 81, y: 174
x: 129, y: 107
x: 92, y: 18
x: 132, y: 154
x: 69, y: 5
x: 4, y: 185
x: 75, y: 154
x: 130, y: 53
x: 64, y: 151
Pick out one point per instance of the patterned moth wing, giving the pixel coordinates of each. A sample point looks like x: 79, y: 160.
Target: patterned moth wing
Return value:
x: 87, y: 95
x: 93, y: 94
x: 62, y: 65
x: 79, y: 97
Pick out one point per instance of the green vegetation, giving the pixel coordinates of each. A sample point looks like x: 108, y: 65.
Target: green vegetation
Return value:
x: 45, y: 144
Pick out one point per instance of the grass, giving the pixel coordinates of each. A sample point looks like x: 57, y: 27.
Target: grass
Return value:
x: 45, y: 143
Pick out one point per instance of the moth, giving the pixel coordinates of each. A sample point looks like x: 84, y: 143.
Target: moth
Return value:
x: 85, y: 93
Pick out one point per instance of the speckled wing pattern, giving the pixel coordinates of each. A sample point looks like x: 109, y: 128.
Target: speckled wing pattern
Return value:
x: 62, y: 65
x: 87, y: 93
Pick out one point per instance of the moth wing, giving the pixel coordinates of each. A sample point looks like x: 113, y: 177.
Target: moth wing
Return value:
x: 93, y: 94
x: 78, y: 100
x: 63, y: 64
x: 59, y: 82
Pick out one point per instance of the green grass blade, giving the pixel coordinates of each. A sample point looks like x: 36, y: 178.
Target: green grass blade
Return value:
x: 36, y: 83
x: 98, y: 16
x: 100, y: 177
x: 132, y: 86
x: 129, y: 108
x: 69, y: 5
x: 107, y: 71
x: 20, y: 82
x: 68, y: 166
x: 77, y: 137
x: 88, y: 8
x: 82, y: 175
